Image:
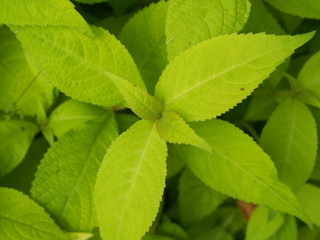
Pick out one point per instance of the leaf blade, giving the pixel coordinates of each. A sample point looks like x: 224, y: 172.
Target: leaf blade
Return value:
x: 235, y: 169
x: 172, y: 128
x: 289, y: 136
x: 209, y: 19
x: 15, y: 138
x: 196, y: 200
x: 188, y: 87
x: 21, y: 218
x: 134, y: 171
x: 144, y: 36
x: 304, y: 9
x: 20, y: 90
x: 310, y: 74
x: 48, y: 13
x: 76, y: 64
x: 65, y: 178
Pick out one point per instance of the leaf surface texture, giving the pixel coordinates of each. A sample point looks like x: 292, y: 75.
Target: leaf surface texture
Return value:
x: 239, y: 168
x: 209, y: 19
x: 130, y: 183
x: 82, y: 62
x: 65, y: 179
x: 290, y: 138
x: 212, y: 77
x: 21, y: 218
x: 16, y: 137
x: 144, y: 36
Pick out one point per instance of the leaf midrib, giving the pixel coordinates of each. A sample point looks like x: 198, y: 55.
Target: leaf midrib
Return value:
x: 81, y: 60
x: 87, y: 158
x: 221, y: 74
x: 253, y: 177
x: 138, y: 166
x: 27, y: 225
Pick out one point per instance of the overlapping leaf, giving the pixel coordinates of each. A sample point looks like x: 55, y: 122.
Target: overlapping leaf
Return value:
x: 144, y: 36
x: 290, y: 138
x: 213, y: 77
x: 309, y: 76
x: 239, y: 168
x: 209, y: 19
x: 137, y: 99
x: 65, y: 179
x: 21, y: 218
x: 316, y: 170
x: 15, y: 139
x: 130, y: 183
x: 196, y: 200
x: 260, y: 108
x: 90, y: 1
x: 309, y: 197
x: 21, y: 91
x: 261, y: 20
x: 304, y: 9
x: 78, y: 64
x: 72, y: 114
x: 264, y: 223
x: 42, y: 13
x: 287, y: 231
x: 170, y: 229
x: 22, y: 176
x: 174, y: 161
x: 174, y: 129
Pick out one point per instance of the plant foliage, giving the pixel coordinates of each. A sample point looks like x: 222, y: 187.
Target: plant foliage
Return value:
x: 159, y: 120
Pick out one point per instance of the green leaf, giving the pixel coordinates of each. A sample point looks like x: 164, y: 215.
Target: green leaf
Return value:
x: 192, y: 21
x: 134, y: 171
x: 170, y: 229
x: 21, y: 91
x: 72, y: 114
x: 304, y: 9
x: 174, y: 129
x: 42, y: 13
x: 114, y: 24
x: 309, y: 197
x: 264, y: 223
x: 155, y: 237
x: 260, y: 108
x: 316, y: 170
x: 216, y: 234
x: 213, y: 77
x: 79, y: 236
x: 21, y: 218
x: 90, y: 1
x: 175, y: 162
x: 239, y: 168
x: 287, y: 231
x: 144, y: 36
x: 196, y: 200
x: 121, y: 6
x: 22, y: 176
x: 305, y: 233
x: 65, y: 179
x: 309, y: 76
x: 225, y: 217
x: 137, y: 99
x: 77, y: 64
x: 15, y: 139
x: 261, y: 20
x: 290, y: 138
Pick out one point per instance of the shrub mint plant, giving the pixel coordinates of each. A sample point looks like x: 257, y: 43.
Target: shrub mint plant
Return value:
x: 154, y: 120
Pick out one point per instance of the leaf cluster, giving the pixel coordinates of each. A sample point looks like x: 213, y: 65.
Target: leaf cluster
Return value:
x: 159, y: 120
